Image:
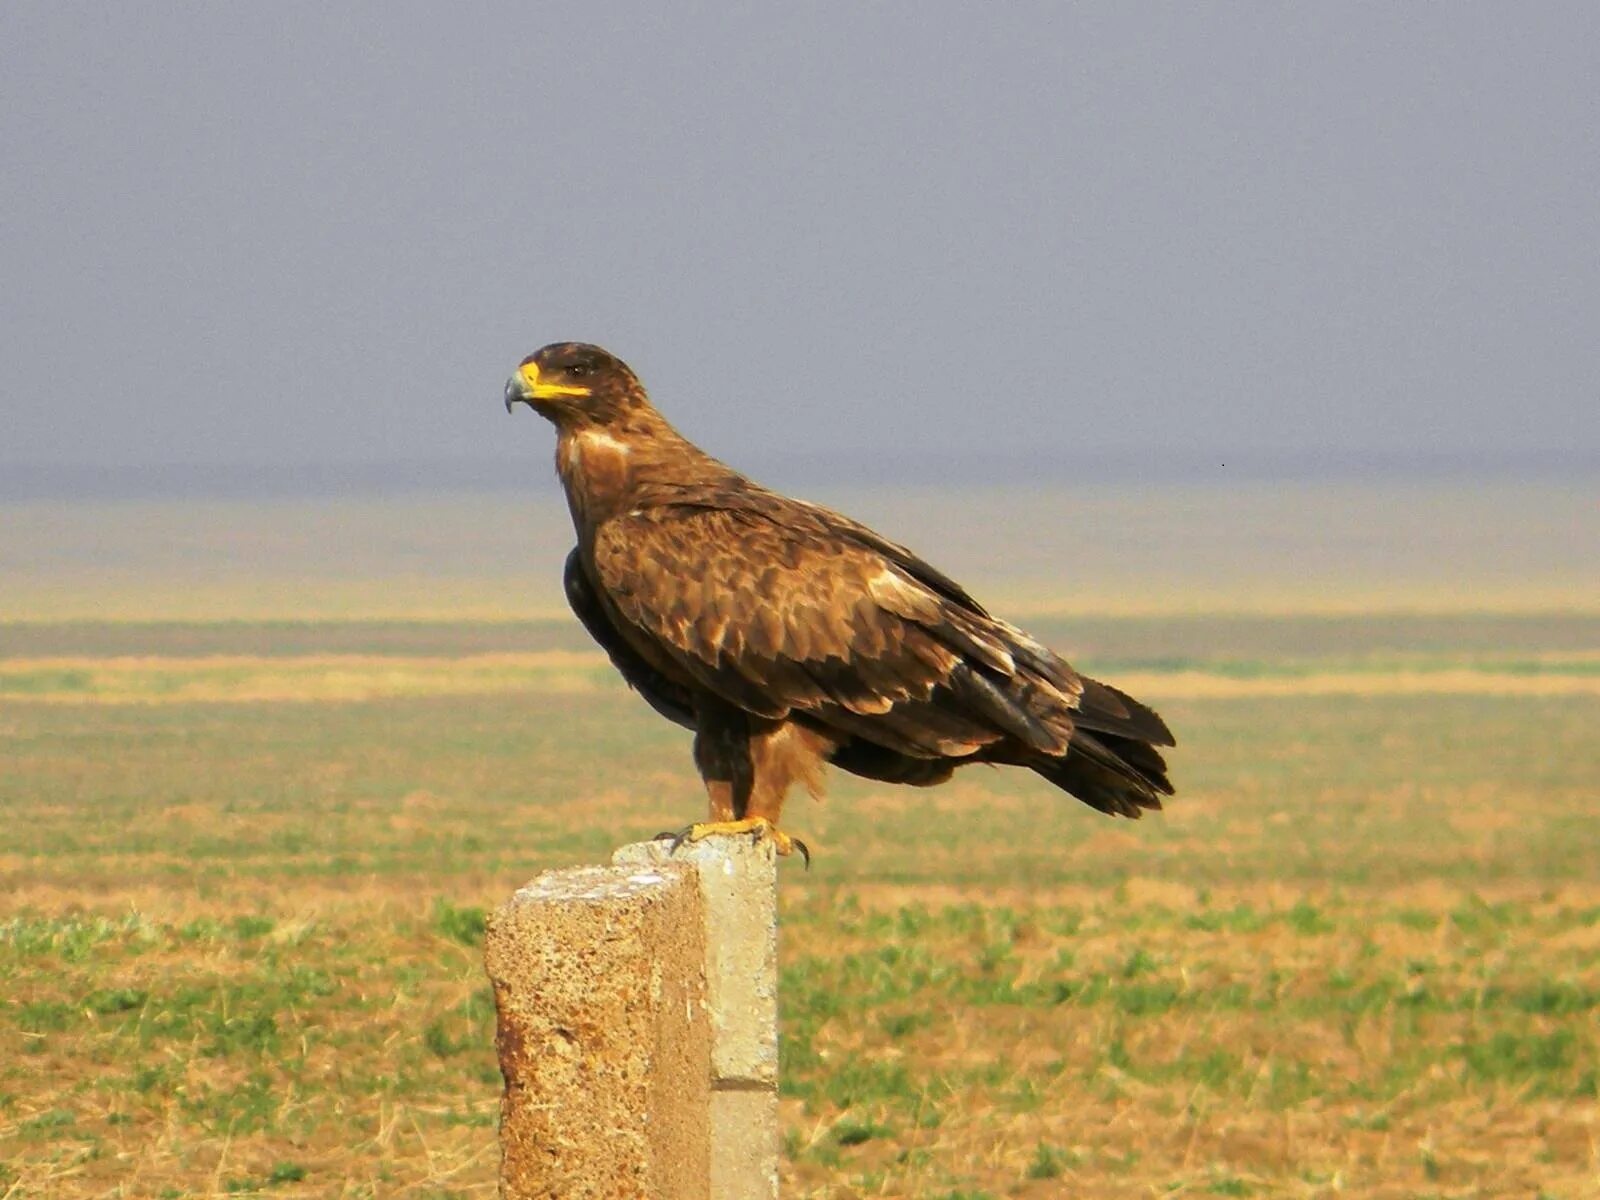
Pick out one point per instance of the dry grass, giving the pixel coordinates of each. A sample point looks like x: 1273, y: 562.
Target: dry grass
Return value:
x: 240, y: 678
x: 244, y: 678
x: 1233, y: 1045
x: 1359, y: 955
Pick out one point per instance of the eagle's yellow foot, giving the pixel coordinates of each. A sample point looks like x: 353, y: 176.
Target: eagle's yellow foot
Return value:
x: 757, y: 827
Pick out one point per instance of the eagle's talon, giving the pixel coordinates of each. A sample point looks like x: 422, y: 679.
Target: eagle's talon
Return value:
x: 674, y: 838
x: 759, y: 828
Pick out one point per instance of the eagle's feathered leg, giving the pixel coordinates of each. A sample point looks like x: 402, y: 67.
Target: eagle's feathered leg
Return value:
x: 722, y: 756
x: 748, y: 766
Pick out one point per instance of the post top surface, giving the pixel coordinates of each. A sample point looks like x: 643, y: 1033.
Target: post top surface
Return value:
x: 588, y: 884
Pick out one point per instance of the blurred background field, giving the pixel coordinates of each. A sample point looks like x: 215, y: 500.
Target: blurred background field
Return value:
x: 245, y: 863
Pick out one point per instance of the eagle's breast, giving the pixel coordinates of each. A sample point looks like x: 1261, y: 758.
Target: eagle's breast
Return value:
x: 596, y: 471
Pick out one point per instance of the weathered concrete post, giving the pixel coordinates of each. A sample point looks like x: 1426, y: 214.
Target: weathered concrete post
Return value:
x: 739, y: 890
x: 637, y: 1033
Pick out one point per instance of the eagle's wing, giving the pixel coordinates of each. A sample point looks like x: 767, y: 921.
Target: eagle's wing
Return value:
x: 668, y: 697
x: 781, y: 611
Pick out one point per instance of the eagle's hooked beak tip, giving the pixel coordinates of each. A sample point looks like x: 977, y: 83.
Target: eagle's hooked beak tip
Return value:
x: 514, y: 391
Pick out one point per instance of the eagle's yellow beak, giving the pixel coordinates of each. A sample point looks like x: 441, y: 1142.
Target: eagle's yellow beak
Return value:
x: 525, y: 386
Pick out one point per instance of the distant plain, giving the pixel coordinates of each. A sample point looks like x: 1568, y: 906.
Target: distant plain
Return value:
x: 266, y: 765
x: 1261, y: 545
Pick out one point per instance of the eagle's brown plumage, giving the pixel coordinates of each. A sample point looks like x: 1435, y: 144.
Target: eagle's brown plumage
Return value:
x: 786, y: 635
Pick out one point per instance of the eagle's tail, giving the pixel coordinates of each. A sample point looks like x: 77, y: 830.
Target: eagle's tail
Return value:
x: 1116, y: 775
x: 1111, y: 762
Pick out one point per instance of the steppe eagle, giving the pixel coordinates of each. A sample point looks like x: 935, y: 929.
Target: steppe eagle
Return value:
x: 787, y: 636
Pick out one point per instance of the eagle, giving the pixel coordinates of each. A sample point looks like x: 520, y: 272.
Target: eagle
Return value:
x: 787, y: 636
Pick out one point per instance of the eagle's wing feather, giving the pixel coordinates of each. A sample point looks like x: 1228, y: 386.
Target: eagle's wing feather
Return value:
x: 778, y: 616
x: 1100, y: 706
x: 668, y: 697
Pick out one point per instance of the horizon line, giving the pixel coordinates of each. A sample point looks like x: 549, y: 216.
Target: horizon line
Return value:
x: 34, y: 481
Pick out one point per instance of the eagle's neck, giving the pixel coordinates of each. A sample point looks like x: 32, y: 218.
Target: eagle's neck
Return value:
x: 609, y: 470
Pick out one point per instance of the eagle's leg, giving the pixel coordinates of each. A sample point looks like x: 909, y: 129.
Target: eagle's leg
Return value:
x: 782, y: 754
x: 745, y: 797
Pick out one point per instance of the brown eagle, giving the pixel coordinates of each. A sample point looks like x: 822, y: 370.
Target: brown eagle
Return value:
x: 787, y: 636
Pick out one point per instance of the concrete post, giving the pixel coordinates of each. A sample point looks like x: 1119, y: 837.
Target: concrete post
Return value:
x: 738, y: 882
x: 637, y: 1031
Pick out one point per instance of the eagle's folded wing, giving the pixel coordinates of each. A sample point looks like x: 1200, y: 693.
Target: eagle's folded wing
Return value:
x: 780, y: 617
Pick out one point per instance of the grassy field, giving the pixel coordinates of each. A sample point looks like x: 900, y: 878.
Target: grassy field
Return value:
x: 244, y: 869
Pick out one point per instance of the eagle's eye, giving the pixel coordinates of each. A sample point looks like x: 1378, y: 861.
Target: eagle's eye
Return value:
x: 579, y: 370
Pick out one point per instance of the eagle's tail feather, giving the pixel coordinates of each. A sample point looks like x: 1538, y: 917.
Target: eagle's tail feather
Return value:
x: 1110, y: 710
x: 1117, y: 775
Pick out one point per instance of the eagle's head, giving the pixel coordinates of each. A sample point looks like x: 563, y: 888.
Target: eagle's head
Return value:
x: 575, y: 384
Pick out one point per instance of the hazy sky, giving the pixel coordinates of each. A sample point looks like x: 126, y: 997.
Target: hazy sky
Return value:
x: 290, y: 233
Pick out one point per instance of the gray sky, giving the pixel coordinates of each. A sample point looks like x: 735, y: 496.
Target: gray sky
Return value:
x: 302, y: 233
